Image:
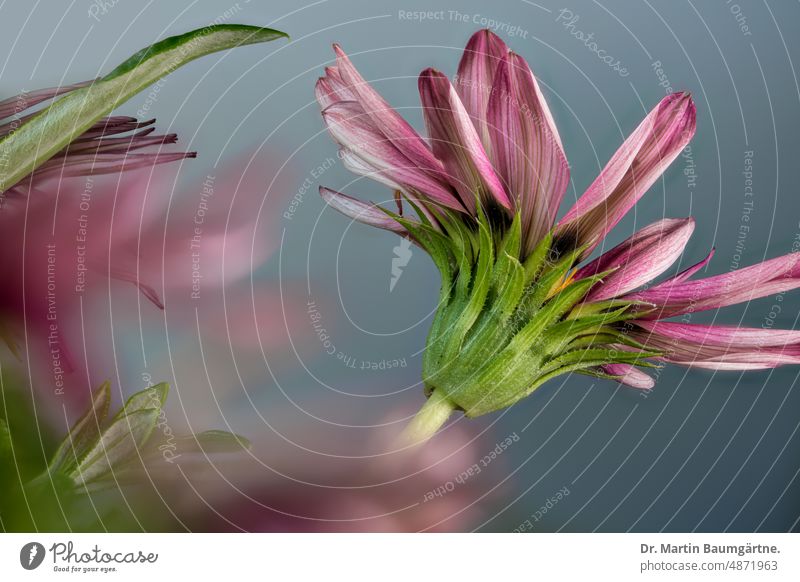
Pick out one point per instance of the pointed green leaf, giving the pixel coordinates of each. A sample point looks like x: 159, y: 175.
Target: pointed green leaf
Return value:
x: 118, y: 444
x: 153, y: 397
x: 84, y: 432
x: 50, y: 131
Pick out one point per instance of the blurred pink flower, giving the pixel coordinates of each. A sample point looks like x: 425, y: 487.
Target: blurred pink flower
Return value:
x: 69, y: 238
x: 375, y: 487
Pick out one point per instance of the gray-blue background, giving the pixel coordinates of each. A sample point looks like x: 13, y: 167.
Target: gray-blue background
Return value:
x: 703, y: 451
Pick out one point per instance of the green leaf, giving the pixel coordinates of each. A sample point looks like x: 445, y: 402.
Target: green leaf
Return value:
x: 117, y: 445
x: 5, y: 440
x: 84, y: 432
x: 50, y: 131
x: 153, y: 397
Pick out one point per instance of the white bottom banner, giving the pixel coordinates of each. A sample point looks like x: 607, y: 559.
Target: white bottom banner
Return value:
x: 356, y: 557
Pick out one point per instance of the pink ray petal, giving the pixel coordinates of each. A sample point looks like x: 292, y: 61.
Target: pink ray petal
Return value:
x: 526, y: 148
x: 385, y: 118
x: 475, y: 77
x: 632, y: 170
x: 455, y: 141
x: 640, y: 259
x: 353, y: 129
x: 629, y: 375
x: 360, y: 211
x: 675, y: 297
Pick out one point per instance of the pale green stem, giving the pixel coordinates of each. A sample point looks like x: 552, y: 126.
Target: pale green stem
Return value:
x: 429, y: 419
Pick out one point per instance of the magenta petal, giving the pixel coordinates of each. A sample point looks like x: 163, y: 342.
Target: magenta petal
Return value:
x: 629, y: 375
x: 687, y: 273
x: 353, y: 129
x: 455, y: 141
x: 526, y: 148
x: 360, y: 211
x: 475, y: 77
x: 632, y: 170
x: 724, y: 336
x: 737, y: 361
x: 385, y: 118
x: 678, y: 296
x: 640, y: 259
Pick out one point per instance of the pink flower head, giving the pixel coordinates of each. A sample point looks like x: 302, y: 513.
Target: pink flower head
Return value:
x: 517, y: 305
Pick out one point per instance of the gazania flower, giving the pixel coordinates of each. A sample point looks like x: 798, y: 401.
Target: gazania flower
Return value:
x: 516, y: 306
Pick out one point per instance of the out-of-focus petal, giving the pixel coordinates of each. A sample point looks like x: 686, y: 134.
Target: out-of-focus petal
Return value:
x: 675, y: 297
x: 97, y: 164
x: 455, y: 142
x: 526, y: 149
x: 361, y: 211
x: 475, y: 77
x: 631, y: 171
x: 640, y: 259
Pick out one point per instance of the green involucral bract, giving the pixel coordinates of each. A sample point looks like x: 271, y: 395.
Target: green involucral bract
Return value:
x: 49, y: 132
x: 507, y: 323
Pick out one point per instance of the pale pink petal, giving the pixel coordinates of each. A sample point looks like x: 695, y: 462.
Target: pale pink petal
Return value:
x: 332, y: 89
x: 631, y: 171
x: 724, y: 336
x: 385, y: 118
x: 640, y: 259
x: 455, y: 141
x: 720, y: 347
x: 360, y: 211
x: 738, y: 361
x: 353, y: 129
x: 475, y: 77
x: 675, y: 297
x: 629, y: 375
x: 525, y: 148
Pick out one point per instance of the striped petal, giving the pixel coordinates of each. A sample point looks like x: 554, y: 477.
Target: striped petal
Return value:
x: 687, y: 273
x: 353, y: 129
x: 526, y: 149
x: 475, y: 77
x: 678, y: 296
x: 456, y: 143
x: 631, y: 171
x: 629, y: 375
x: 360, y: 211
x: 384, y: 117
x: 640, y: 259
x: 719, y: 347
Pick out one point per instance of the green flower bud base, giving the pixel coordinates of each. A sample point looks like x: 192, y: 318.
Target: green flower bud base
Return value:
x: 507, y: 323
